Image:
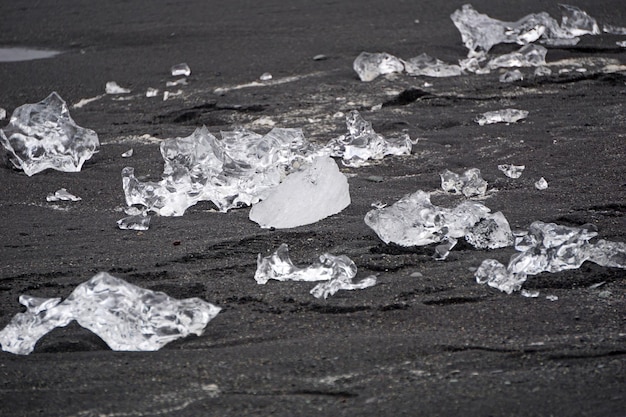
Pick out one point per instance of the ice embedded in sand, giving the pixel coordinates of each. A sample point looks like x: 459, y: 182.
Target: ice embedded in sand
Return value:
x: 62, y: 195
x: 362, y: 144
x: 125, y: 316
x: 428, y: 66
x: 541, y: 184
x: 304, y: 197
x: 470, y: 183
x: 369, y: 66
x: 43, y: 135
x: 180, y: 69
x: 415, y: 221
x: 337, y: 272
x: 512, y: 171
x: 549, y: 247
x: 527, y: 56
x: 501, y: 116
x: 241, y: 169
x: 135, y: 222
x: 112, y: 87
x: 511, y: 76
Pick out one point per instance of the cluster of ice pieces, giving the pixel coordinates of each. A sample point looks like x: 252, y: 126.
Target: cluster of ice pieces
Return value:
x: 362, y: 144
x: 470, y: 183
x: 549, y: 247
x: 369, y: 66
x: 125, y: 316
x: 415, y: 221
x: 43, y: 135
x: 304, y: 197
x: 501, y: 116
x: 337, y: 272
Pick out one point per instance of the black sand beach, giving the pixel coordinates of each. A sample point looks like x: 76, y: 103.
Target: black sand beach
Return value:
x: 438, y: 344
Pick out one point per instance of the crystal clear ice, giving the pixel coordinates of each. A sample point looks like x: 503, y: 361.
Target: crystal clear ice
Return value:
x: 512, y: 171
x: 501, y: 116
x: 469, y: 184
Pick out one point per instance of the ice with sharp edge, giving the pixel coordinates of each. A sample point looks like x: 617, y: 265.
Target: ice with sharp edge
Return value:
x: 501, y: 116
x: 240, y: 169
x: 369, y: 66
x: 549, y: 247
x: 43, y: 135
x: 470, y: 183
x: 362, y: 144
x: 304, y: 197
x: 62, y: 195
x: 125, y: 316
x: 112, y: 87
x: 512, y: 171
x: 415, y: 221
x: 180, y: 69
x: 337, y: 272
x: 428, y: 66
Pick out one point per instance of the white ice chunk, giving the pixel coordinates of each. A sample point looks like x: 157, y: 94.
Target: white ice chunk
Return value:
x: 541, y: 184
x: 614, y: 30
x: 578, y: 22
x: 180, y: 81
x: 3, y: 114
x: 152, y: 92
x: 370, y: 65
x: 128, y: 153
x: 266, y: 76
x: 168, y: 94
x: 113, y: 88
x: 62, y: 195
x: 43, y: 135
x: 134, y: 222
x: 621, y: 43
x: 362, y: 143
x: 338, y: 271
x: 501, y: 116
x: 125, y: 316
x: 443, y: 250
x: 527, y: 56
x: 511, y: 76
x: 241, y: 169
x: 470, y: 183
x: 428, y: 66
x: 180, y: 69
x: 512, y: 171
x: 415, y: 221
x: 304, y: 197
x: 549, y: 247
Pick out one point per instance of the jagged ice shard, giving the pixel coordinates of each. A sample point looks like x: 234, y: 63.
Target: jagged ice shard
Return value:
x: 415, y: 221
x: 549, y: 247
x: 501, y: 116
x: 362, y: 143
x: 336, y: 271
x: 304, y: 197
x: 241, y: 169
x: 470, y: 183
x: 428, y: 66
x: 369, y: 66
x: 43, y: 135
x: 125, y: 316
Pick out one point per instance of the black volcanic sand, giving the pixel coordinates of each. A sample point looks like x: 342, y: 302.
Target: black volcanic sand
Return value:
x: 434, y: 345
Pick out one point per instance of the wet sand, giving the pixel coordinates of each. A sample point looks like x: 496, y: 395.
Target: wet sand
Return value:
x: 437, y: 344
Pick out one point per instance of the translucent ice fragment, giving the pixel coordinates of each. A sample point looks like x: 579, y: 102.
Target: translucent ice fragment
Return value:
x: 370, y: 65
x: 180, y: 81
x: 621, y: 43
x: 415, y: 221
x: 541, y: 184
x: 180, y: 69
x: 62, y: 195
x: 362, y: 143
x: 266, y: 76
x: 168, y: 94
x: 552, y: 297
x: 152, y: 92
x: 338, y: 271
x: 304, y: 197
x: 443, y: 250
x: 125, y: 316
x: 428, y: 66
x: 512, y: 171
x: 511, y: 76
x: 501, y: 116
x: 614, y: 30
x: 3, y: 114
x: 530, y: 294
x: 492, y: 232
x: 241, y: 169
x: 528, y: 56
x: 470, y: 183
x: 549, y: 247
x: 43, y: 135
x: 113, y: 88
x: 578, y: 22
x: 135, y: 222
x: 128, y: 153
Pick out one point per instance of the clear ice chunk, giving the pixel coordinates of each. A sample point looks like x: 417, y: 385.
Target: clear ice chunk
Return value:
x: 337, y: 271
x: 125, y: 316
x: 62, y: 195
x: 548, y: 247
x: 470, y: 183
x: 415, y: 221
x: 128, y: 153
x: 180, y: 69
x: 512, y: 171
x: 362, y: 143
x: 578, y: 22
x: 511, y: 76
x: 528, y: 56
x: 112, y: 87
x: 614, y: 30
x: 304, y: 197
x: 266, y: 76
x: 370, y: 65
x: 443, y: 250
x: 43, y: 135
x: 152, y: 92
x: 134, y: 222
x: 541, y: 184
x: 501, y: 116
x: 428, y: 66
x: 241, y: 169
